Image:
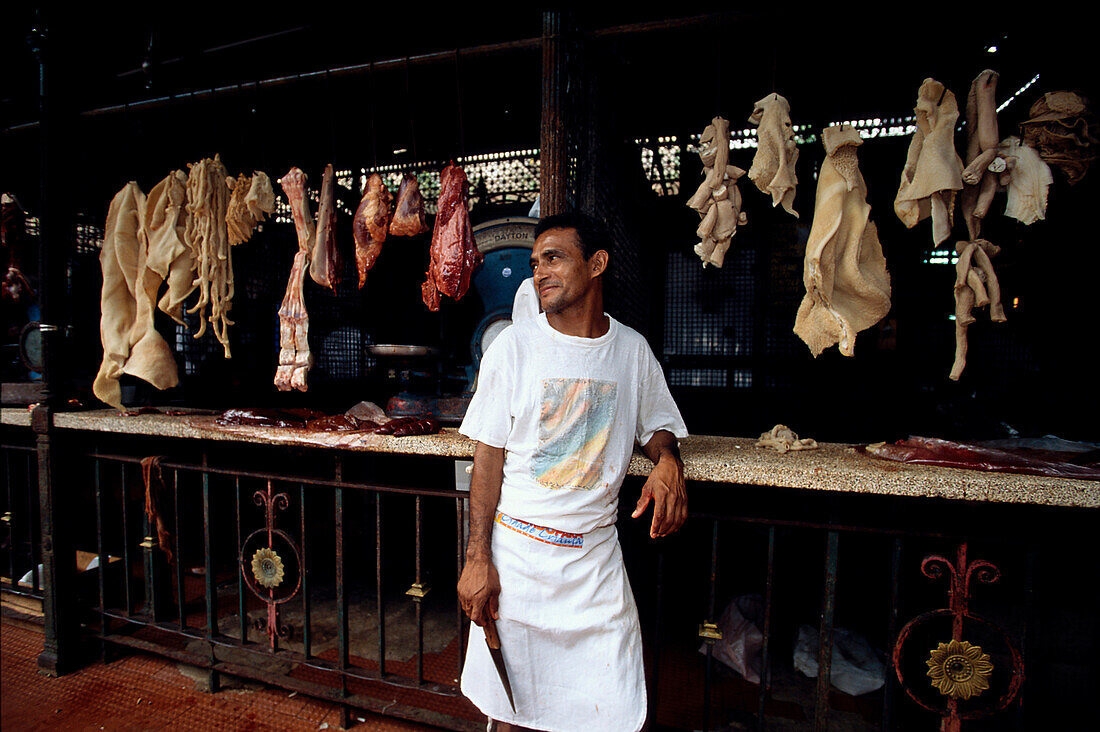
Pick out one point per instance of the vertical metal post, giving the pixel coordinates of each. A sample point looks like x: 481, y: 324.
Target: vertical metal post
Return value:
x: 891, y: 636
x: 12, y: 520
x: 710, y: 615
x: 211, y: 588
x: 242, y: 605
x: 825, y: 650
x: 552, y: 147
x: 102, y: 554
x: 181, y: 597
x: 460, y: 556
x: 765, y: 648
x: 34, y: 529
x: 378, y: 582
x: 657, y: 634
x: 341, y: 593
x: 58, y: 561
x: 419, y: 603
x: 307, y: 640
x: 126, y: 574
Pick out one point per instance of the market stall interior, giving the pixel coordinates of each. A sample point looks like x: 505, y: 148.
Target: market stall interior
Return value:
x: 794, y: 233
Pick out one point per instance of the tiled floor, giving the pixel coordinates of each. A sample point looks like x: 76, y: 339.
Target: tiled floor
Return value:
x: 140, y: 692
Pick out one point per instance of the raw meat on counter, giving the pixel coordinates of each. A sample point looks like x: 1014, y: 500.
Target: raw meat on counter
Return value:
x: 847, y: 285
x: 295, y: 360
x: 326, y: 264
x: 454, y: 256
x: 408, y: 218
x: 338, y: 425
x: 776, y: 153
x: 783, y: 439
x: 717, y: 199
x: 371, y: 224
x: 944, y: 453
x: 933, y: 170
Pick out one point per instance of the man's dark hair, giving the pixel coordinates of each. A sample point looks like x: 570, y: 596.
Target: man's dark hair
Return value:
x: 592, y: 234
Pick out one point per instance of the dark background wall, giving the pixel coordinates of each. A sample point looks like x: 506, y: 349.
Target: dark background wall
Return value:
x: 1033, y: 374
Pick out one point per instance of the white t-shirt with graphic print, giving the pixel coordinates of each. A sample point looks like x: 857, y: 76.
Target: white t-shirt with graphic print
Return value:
x: 568, y: 410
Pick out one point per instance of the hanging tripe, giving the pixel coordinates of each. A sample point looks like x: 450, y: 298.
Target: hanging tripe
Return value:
x: 847, y: 285
x: 717, y: 200
x: 776, y: 153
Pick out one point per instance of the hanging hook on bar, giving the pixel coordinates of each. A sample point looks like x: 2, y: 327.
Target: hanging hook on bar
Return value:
x: 458, y: 101
x: 409, y: 108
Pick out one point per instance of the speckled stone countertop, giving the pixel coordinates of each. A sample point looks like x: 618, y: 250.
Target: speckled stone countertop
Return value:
x: 709, y: 458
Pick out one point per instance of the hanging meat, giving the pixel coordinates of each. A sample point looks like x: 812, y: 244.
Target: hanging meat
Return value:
x: 1028, y: 185
x: 371, y: 224
x: 985, y: 164
x: 1064, y: 132
x: 847, y: 285
x: 454, y: 256
x: 131, y: 343
x: 208, y: 237
x: 326, y: 264
x: 976, y: 285
x: 408, y: 218
x: 251, y: 199
x: 933, y: 170
x: 777, y: 152
x: 295, y: 360
x: 166, y: 222
x: 717, y: 200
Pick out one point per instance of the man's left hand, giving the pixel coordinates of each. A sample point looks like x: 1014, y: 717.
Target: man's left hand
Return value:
x: 665, y: 487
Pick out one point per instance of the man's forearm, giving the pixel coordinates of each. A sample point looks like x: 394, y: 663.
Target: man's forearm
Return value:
x: 662, y: 444
x: 488, y: 474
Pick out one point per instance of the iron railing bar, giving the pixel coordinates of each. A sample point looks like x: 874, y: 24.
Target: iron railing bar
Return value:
x: 765, y: 646
x: 34, y: 531
x: 460, y: 555
x: 148, y: 573
x: 891, y: 635
x: 125, y: 542
x: 320, y: 482
x: 825, y: 635
x: 181, y: 598
x: 100, y: 551
x: 341, y: 594
x: 211, y: 589
x: 378, y: 584
x: 24, y: 448
x: 315, y: 663
x: 824, y: 527
x: 242, y: 609
x: 657, y: 634
x: 307, y: 640
x: 419, y: 604
x: 707, y: 679
x: 13, y: 581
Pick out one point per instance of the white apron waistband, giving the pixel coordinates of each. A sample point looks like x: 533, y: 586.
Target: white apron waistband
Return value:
x: 541, y: 533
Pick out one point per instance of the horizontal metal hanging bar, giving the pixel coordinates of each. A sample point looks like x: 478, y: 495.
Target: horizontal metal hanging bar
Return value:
x: 357, y: 69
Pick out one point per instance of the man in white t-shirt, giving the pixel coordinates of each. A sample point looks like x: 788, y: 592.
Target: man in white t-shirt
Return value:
x: 561, y: 400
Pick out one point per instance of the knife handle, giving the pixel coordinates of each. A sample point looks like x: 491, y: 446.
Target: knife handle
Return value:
x: 491, y: 637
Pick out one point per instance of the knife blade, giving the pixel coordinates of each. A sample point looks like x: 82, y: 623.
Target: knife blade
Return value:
x: 492, y: 639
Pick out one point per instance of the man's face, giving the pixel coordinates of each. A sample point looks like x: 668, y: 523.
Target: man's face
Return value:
x: 562, y: 275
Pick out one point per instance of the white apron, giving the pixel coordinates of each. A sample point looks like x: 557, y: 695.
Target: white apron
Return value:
x: 568, y: 631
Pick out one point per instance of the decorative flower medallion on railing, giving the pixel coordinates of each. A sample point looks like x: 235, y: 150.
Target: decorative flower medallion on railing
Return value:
x: 959, y: 669
x: 267, y: 567
x: 265, y: 570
